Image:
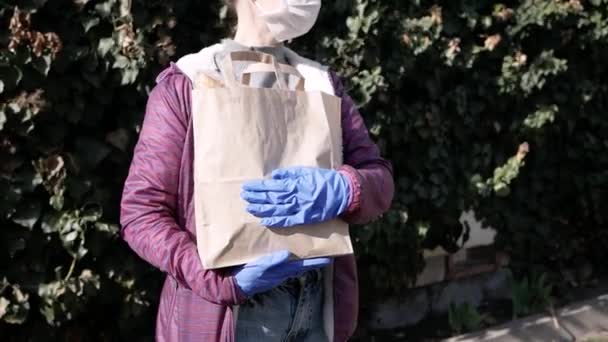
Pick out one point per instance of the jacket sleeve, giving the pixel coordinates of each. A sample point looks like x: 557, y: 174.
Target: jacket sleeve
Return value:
x: 149, y: 202
x: 370, y: 175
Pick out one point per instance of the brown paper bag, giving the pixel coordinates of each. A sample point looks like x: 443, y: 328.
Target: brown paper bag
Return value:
x: 243, y: 133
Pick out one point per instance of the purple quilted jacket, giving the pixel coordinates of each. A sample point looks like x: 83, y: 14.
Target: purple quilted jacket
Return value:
x: 157, y: 216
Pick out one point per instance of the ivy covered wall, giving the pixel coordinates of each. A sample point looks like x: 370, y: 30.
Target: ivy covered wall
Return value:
x: 498, y: 107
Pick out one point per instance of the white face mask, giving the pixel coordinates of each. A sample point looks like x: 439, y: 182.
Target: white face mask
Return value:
x: 292, y: 19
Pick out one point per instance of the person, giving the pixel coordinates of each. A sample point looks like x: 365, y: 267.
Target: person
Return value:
x: 271, y: 299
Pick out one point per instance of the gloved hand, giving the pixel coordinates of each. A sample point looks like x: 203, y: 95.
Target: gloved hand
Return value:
x: 270, y: 271
x: 296, y: 196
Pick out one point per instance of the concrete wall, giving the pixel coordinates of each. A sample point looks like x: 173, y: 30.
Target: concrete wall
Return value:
x: 418, y: 303
x: 434, y: 290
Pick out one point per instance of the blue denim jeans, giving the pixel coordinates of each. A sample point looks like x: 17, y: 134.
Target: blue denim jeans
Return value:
x: 292, y: 312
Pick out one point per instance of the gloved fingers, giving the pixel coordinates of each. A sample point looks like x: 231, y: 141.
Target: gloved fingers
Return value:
x: 278, y: 185
x: 281, y: 221
x: 296, y: 268
x: 278, y: 258
x: 282, y: 272
x: 290, y: 172
x: 310, y: 264
x: 270, y: 210
x: 271, y: 260
x: 263, y: 197
x: 291, y: 269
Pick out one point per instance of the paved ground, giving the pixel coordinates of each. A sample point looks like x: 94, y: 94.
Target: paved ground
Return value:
x: 575, y: 322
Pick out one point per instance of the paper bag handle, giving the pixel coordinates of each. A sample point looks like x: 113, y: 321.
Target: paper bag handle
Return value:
x: 283, y: 69
x: 249, y: 56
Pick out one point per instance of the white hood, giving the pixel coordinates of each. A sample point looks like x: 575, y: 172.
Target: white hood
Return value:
x: 316, y: 75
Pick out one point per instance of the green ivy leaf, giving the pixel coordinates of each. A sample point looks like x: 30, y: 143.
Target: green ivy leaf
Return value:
x: 121, y: 62
x: 70, y: 237
x: 10, y: 77
x: 89, y: 23
x: 42, y: 64
x: 104, y: 9
x: 14, y: 304
x: 2, y: 118
x: 50, y: 223
x: 502, y: 190
x: 129, y: 76
x: 105, y: 46
x: 27, y: 214
x: 541, y: 116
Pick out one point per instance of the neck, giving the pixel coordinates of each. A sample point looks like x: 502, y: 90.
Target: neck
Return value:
x: 254, y: 38
x: 252, y: 31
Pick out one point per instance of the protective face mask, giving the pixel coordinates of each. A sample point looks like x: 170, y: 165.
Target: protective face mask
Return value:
x: 292, y: 19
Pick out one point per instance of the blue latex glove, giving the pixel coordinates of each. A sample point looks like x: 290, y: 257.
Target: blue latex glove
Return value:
x: 270, y: 271
x: 296, y: 196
